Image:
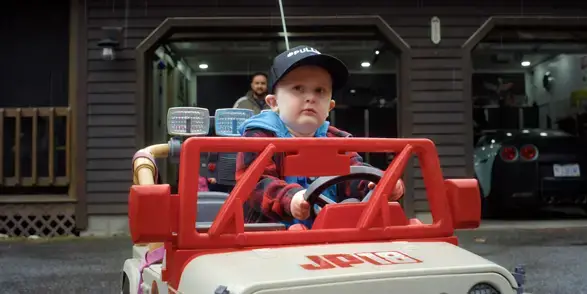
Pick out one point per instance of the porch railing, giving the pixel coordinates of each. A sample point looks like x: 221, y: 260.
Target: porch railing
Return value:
x: 36, y: 147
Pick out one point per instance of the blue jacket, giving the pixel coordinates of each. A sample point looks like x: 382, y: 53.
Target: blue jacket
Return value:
x: 270, y: 121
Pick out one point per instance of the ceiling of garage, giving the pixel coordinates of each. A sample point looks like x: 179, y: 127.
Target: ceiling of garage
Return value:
x: 244, y: 56
x: 504, y: 48
x: 509, y: 56
x: 495, y: 53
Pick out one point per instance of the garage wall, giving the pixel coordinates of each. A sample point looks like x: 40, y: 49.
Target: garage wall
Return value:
x: 569, y: 76
x: 436, y: 75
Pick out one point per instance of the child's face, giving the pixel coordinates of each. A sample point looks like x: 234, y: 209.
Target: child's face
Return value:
x: 304, y: 99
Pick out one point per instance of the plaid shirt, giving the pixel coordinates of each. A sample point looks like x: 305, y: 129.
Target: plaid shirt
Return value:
x: 270, y: 201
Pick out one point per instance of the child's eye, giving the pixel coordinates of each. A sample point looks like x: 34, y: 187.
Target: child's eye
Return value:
x: 321, y: 92
x: 298, y: 88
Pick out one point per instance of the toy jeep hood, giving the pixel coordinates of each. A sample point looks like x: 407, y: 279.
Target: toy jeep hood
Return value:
x: 252, y: 270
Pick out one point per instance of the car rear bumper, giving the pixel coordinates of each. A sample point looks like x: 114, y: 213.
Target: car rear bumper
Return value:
x: 534, y: 184
x: 563, y: 190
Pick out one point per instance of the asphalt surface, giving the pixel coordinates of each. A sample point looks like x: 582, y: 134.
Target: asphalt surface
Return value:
x: 555, y: 258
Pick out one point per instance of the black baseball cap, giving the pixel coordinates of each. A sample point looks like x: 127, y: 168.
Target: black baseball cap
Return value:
x: 306, y: 55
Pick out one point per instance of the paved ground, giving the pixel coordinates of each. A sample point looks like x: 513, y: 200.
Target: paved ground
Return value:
x: 81, y: 265
x: 555, y: 257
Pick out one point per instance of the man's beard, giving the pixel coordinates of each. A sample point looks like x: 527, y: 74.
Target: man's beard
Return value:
x: 261, y: 95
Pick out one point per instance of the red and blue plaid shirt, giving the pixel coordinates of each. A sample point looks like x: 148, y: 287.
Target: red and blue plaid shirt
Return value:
x: 271, y: 198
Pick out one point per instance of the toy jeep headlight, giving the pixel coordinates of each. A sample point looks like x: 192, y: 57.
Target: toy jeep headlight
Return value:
x: 188, y: 121
x: 483, y: 288
x: 227, y: 121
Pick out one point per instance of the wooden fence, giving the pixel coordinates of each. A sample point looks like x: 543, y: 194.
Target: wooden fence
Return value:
x: 36, y: 147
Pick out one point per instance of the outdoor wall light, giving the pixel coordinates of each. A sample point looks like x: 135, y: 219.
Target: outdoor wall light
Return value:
x: 525, y: 63
x: 111, y: 40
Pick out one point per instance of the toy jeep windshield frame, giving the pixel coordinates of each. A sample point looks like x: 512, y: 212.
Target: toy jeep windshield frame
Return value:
x: 155, y: 215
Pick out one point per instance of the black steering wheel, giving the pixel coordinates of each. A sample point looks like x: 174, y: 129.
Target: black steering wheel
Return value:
x: 313, y: 194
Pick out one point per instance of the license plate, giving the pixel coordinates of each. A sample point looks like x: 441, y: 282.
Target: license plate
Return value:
x: 566, y: 170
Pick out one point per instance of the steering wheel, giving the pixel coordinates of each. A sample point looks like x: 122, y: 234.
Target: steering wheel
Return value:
x: 313, y: 194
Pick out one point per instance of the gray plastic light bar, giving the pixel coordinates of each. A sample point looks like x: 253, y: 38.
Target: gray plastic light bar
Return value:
x: 228, y: 120
x: 188, y: 121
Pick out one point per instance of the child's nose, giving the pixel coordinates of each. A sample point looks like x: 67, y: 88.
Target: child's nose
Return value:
x: 310, y: 98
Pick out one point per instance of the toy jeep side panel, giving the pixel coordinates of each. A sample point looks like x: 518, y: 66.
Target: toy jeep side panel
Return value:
x: 286, y: 267
x: 415, y: 284
x: 152, y: 278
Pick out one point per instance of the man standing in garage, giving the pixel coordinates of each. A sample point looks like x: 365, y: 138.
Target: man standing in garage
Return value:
x: 255, y: 97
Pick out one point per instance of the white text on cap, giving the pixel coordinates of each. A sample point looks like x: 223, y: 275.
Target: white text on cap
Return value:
x: 303, y: 50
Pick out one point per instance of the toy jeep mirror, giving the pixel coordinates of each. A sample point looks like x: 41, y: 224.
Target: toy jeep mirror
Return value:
x: 465, y: 202
x: 188, y: 121
x: 227, y: 121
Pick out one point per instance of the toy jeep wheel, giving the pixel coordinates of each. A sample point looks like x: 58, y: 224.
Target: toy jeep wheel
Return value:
x: 125, y: 285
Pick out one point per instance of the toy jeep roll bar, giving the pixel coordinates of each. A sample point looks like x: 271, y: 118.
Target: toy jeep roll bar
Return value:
x: 454, y: 203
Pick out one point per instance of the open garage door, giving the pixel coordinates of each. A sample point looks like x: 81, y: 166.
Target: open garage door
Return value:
x: 213, y: 60
x: 528, y: 91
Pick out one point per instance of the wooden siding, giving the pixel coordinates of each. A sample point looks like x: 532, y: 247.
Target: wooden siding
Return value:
x: 437, y: 102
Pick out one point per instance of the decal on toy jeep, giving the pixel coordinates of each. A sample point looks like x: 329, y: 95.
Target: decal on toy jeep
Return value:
x: 344, y: 260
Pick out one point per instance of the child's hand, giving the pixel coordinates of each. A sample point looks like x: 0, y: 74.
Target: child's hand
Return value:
x: 300, y: 208
x: 397, y: 193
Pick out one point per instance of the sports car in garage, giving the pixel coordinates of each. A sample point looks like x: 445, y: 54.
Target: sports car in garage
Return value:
x: 530, y: 169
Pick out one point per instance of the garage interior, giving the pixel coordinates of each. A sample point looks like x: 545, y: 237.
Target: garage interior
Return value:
x: 545, y: 71
x: 530, y: 77
x: 214, y: 73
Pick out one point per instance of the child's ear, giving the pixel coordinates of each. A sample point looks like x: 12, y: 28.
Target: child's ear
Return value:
x: 332, y: 104
x: 271, y: 100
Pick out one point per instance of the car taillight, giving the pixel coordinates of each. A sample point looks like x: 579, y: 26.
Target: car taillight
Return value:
x: 509, y: 153
x: 529, y: 152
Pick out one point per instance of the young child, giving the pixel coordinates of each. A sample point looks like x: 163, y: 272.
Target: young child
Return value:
x: 301, y: 84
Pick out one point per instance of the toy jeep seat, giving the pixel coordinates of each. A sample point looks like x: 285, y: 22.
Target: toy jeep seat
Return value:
x: 222, y: 165
x: 209, y: 204
x: 225, y: 168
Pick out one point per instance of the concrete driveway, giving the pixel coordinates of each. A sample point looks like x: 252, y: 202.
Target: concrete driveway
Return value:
x: 555, y: 257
